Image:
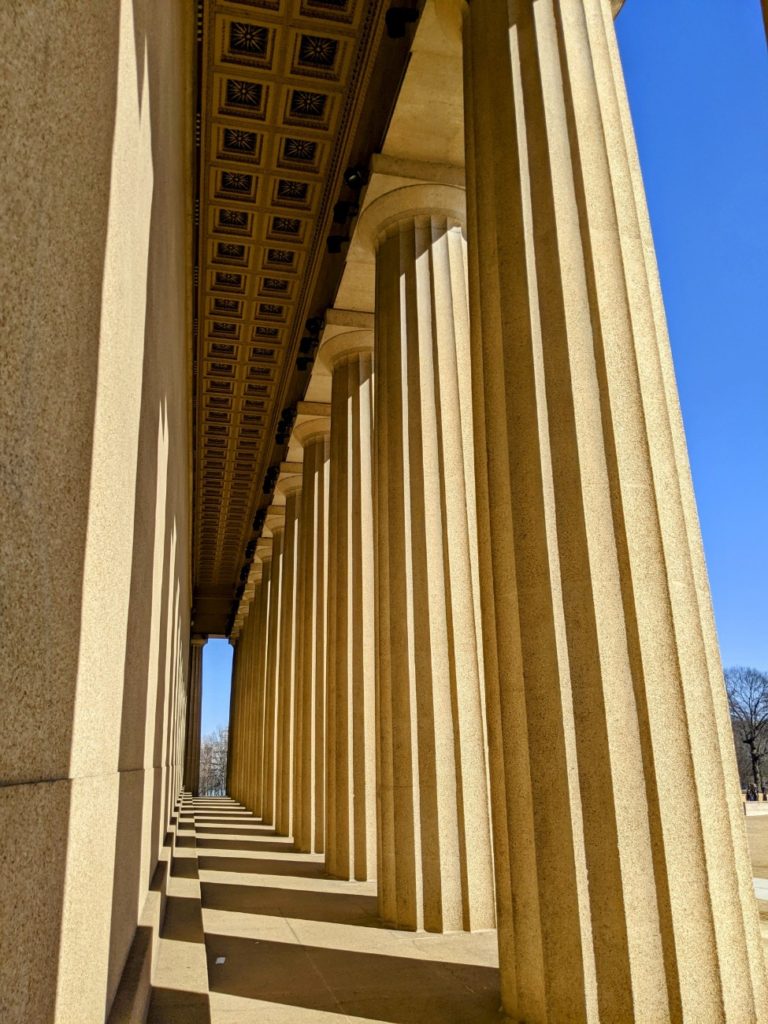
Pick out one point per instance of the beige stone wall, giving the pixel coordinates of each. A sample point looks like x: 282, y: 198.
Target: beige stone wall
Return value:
x: 94, y: 495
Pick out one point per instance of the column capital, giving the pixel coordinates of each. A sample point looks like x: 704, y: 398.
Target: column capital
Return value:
x: 289, y: 482
x: 347, y: 333
x: 313, y: 421
x: 264, y: 549
x: 310, y: 410
x: 400, y: 190
x: 198, y: 639
x: 254, y: 574
x: 275, y: 521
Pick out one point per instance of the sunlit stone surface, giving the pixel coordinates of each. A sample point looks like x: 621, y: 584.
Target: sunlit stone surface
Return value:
x: 334, y: 328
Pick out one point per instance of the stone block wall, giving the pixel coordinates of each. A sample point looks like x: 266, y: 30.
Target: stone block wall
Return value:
x: 95, y: 217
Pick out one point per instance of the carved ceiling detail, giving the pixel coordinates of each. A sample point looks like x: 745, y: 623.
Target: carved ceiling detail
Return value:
x: 278, y: 81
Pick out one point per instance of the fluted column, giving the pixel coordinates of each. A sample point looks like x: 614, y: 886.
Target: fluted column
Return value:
x: 255, y: 792
x: 245, y: 685
x: 232, y: 728
x: 253, y: 682
x: 435, y: 865
x: 620, y: 830
x: 275, y: 524
x: 290, y: 487
x: 237, y: 723
x: 194, y: 715
x: 347, y: 351
x: 312, y: 433
x: 236, y: 705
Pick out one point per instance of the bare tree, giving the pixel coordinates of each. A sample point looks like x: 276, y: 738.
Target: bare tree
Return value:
x: 213, y: 763
x: 748, y: 698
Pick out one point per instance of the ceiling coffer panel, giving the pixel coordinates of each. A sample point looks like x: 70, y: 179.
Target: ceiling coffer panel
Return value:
x: 280, y: 84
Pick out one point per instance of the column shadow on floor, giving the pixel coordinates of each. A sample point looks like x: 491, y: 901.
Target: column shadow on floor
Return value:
x: 301, y: 904
x: 208, y: 843
x: 396, y: 989
x: 379, y: 986
x: 226, y: 816
x: 174, y: 1006
x: 257, y: 840
x: 258, y: 865
x: 255, y: 832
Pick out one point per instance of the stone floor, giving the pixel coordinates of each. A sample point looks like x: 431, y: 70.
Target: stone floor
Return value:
x: 256, y: 932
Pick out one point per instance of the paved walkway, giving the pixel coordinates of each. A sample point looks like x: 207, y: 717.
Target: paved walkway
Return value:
x: 256, y: 932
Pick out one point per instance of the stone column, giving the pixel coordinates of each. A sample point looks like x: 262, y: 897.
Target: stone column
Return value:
x: 194, y: 713
x: 231, y: 744
x: 235, y: 752
x: 620, y: 829
x: 347, y: 351
x: 435, y: 864
x: 312, y: 431
x: 275, y: 524
x: 243, y: 632
x: 236, y: 716
x: 289, y: 485
x: 252, y: 682
x: 264, y: 555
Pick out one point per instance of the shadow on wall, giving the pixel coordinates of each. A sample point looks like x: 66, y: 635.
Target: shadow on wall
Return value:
x: 93, y: 502
x: 59, y: 119
x: 156, y: 648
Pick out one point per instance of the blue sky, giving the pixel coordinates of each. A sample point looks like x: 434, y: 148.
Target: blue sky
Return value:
x: 217, y: 672
x: 697, y: 76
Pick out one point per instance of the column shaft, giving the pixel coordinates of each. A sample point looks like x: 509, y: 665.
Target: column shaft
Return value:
x: 312, y: 570
x: 287, y: 668
x: 232, y: 726
x: 241, y: 664
x: 194, y: 712
x: 261, y: 642
x: 351, y: 674
x: 617, y: 817
x: 236, y: 722
x: 435, y: 865
x: 268, y: 778
x: 251, y: 629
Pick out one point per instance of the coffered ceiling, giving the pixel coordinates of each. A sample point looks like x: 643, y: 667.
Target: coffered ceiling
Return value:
x: 282, y: 109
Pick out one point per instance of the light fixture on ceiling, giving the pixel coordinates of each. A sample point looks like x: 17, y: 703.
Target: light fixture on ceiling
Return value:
x: 397, y: 18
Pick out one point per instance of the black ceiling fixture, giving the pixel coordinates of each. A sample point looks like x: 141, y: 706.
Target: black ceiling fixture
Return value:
x: 287, y: 417
x: 270, y: 479
x: 355, y: 177
x: 343, y: 210
x: 336, y: 244
x: 397, y: 18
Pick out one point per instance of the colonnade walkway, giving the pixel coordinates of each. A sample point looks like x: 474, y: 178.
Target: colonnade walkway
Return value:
x: 256, y: 932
